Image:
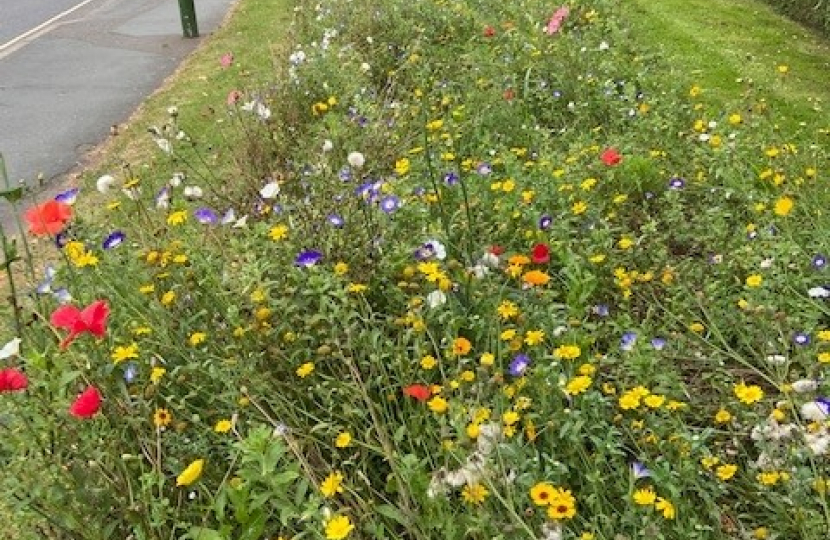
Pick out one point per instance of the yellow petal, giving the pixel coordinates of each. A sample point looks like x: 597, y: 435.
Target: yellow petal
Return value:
x: 191, y: 473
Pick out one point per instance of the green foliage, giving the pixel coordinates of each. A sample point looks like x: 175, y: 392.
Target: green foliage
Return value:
x: 814, y: 13
x: 470, y: 274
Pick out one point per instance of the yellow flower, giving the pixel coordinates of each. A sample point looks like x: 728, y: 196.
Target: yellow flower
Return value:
x: 824, y: 357
x: 723, y: 416
x: 341, y: 268
x: 534, y: 337
x: 191, y: 473
x: 754, y: 280
x: 562, y: 504
x: 735, y: 119
x: 542, y: 493
x: 332, y: 485
x: 487, y: 359
x: 577, y: 385
x: 726, y: 472
x: 223, y: 426
x: 579, y: 207
x: 654, y: 401
x: 156, y: 374
x: 473, y: 430
x: 709, y: 462
x: 567, y: 352
x: 402, y: 166
x: 587, y: 369
x: 783, y: 206
x: 438, y: 405
x: 278, y: 232
x: 510, y: 417
x: 162, y: 418
x: 147, y: 289
x: 197, y: 338
x: 507, y: 310
x: 697, y: 328
x: 177, y: 218
x: 122, y: 353
x: 356, y: 288
x: 645, y: 496
x: 474, y: 493
x: 625, y: 243
x: 343, y: 440
x: 666, y: 507
x: 338, y: 527
x: 428, y: 362
x: 305, y: 370
x: 769, y: 478
x: 168, y: 298
x: 748, y: 394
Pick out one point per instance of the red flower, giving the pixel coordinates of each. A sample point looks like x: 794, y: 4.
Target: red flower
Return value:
x: 489, y: 31
x: 611, y: 157
x: 509, y: 94
x: 48, y: 218
x: 496, y: 250
x: 421, y: 392
x: 540, y: 254
x: 12, y: 380
x: 92, y: 319
x: 87, y: 404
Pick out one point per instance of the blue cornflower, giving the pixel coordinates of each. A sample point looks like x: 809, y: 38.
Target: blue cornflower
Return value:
x: 68, y: 196
x: 206, y: 216
x: 451, y: 178
x: 113, y: 239
x: 677, y: 183
x: 519, y: 365
x: 308, y: 258
x: 801, y: 338
x: 601, y: 310
x: 390, y: 203
x: 130, y: 372
x: 628, y: 340
x: 819, y: 261
x: 545, y: 221
x: 345, y: 174
x: 658, y: 343
x: 639, y: 470
x: 335, y: 220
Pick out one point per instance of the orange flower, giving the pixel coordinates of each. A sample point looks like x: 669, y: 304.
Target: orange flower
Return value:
x: 536, y: 277
x: 461, y: 346
x: 48, y: 218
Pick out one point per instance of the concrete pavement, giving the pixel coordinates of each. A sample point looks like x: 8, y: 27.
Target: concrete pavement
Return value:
x: 62, y: 88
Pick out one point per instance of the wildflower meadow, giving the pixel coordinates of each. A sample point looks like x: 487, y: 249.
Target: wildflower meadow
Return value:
x: 464, y: 269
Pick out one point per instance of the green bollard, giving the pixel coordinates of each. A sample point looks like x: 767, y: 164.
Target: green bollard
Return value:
x: 188, y: 13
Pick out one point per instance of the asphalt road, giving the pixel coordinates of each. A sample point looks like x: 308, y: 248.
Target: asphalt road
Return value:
x: 65, y: 85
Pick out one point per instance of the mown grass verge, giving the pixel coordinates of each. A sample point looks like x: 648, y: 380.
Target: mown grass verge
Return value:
x: 467, y: 270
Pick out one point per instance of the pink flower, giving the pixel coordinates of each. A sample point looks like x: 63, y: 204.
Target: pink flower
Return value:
x: 93, y: 319
x: 227, y: 60
x: 555, y: 22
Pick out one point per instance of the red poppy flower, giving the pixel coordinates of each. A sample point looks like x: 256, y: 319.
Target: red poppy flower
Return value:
x: 12, y: 380
x: 421, y: 392
x: 92, y: 319
x: 611, y: 157
x: 489, y: 31
x: 509, y: 94
x: 540, y: 254
x: 48, y: 218
x: 87, y: 404
x: 496, y: 250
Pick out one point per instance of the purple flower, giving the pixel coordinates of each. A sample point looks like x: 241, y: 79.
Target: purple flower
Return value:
x: 545, y: 221
x: 308, y: 258
x: 801, y: 339
x: 451, y: 178
x: 113, y: 239
x: 130, y: 372
x: 206, y: 216
x: 628, y: 340
x: 677, y: 183
x: 639, y: 470
x: 519, y: 365
x: 390, y: 203
x: 824, y: 403
x: 162, y: 199
x: 658, y: 343
x: 819, y: 261
x: 68, y: 196
x: 601, y: 310
x: 345, y: 174
x: 335, y: 220
x: 484, y: 168
x: 61, y: 239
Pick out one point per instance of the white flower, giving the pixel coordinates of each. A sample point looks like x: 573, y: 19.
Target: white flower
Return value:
x: 804, y: 385
x: 164, y: 144
x: 327, y: 145
x: 356, y: 159
x: 365, y: 67
x: 271, y: 190
x: 173, y: 110
x: 193, y: 192
x: 766, y: 263
x: 436, y: 298
x: 489, y: 435
x: 104, y: 183
x: 12, y: 348
x: 814, y: 411
x: 604, y: 46
x: 437, y: 248
x: 551, y: 530
x: 819, y: 443
x: 819, y: 292
x: 490, y: 260
x: 777, y: 359
x: 257, y: 107
x: 479, y: 271
x: 176, y: 180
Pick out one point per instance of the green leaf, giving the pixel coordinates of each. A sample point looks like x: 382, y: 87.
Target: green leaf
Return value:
x: 389, y: 511
x: 13, y: 195
x: 203, y: 533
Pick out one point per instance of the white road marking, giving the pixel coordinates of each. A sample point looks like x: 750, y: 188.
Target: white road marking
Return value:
x: 41, y: 27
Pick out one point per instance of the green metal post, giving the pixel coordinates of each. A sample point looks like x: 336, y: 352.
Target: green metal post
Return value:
x: 190, y: 28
